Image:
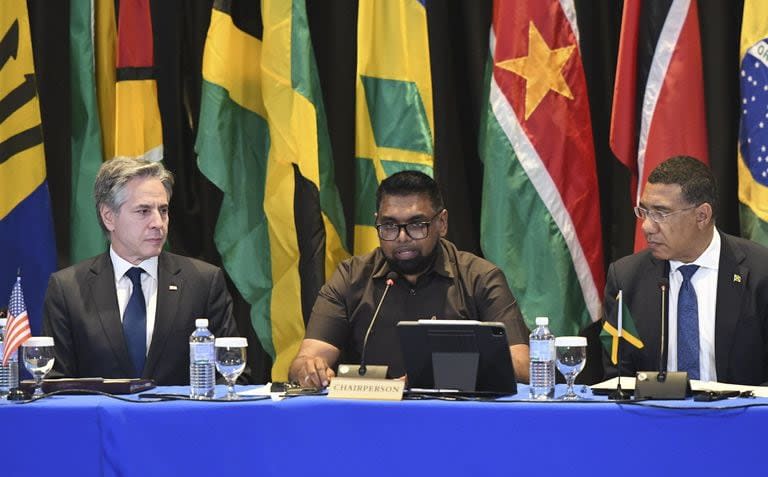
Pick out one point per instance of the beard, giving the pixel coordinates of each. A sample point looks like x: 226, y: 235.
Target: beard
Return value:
x: 413, y: 266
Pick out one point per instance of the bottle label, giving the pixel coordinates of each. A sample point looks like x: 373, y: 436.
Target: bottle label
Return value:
x: 201, y: 352
x: 542, y: 350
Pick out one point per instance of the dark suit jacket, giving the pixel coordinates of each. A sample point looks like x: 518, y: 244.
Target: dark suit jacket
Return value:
x: 81, y: 313
x: 741, y: 315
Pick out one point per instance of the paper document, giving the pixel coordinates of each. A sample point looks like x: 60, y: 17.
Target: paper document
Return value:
x: 263, y: 391
x: 628, y: 384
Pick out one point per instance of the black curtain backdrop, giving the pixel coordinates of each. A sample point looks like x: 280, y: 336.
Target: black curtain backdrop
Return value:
x: 459, y: 31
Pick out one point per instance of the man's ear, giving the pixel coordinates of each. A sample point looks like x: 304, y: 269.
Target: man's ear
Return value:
x: 442, y: 222
x: 704, y: 215
x: 107, y: 217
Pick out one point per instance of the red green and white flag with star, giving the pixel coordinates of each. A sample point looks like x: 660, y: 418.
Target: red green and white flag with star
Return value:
x: 541, y: 206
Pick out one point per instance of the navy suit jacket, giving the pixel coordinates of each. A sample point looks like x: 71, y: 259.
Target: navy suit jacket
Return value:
x: 741, y: 314
x: 81, y: 313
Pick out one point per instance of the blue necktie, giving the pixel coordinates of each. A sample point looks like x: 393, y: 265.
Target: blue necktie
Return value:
x: 688, y: 324
x: 135, y: 322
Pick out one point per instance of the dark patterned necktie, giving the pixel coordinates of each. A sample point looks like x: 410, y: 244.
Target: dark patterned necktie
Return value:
x: 135, y: 322
x: 688, y: 324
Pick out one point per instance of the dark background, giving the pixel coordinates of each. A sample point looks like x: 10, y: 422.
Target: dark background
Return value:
x: 459, y: 31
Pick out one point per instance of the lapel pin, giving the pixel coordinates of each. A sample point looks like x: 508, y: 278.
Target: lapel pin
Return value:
x: 173, y: 287
x: 736, y: 278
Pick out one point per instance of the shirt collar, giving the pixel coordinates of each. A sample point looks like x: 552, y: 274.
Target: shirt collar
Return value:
x: 121, y: 265
x: 709, y: 259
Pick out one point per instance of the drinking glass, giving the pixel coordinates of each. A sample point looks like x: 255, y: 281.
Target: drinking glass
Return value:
x: 37, y: 352
x: 571, y: 358
x: 230, y: 361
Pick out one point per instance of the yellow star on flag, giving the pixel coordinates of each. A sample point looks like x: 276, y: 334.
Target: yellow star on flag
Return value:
x: 541, y: 69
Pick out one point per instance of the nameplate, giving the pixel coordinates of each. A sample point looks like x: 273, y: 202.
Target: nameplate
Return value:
x: 362, y: 388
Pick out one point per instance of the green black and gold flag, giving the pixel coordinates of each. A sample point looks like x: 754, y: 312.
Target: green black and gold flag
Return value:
x: 263, y: 141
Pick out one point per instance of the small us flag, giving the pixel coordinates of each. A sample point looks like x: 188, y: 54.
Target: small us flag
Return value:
x: 17, y: 327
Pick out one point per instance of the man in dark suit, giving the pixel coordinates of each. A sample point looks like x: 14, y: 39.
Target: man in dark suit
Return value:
x: 713, y: 286
x: 129, y: 312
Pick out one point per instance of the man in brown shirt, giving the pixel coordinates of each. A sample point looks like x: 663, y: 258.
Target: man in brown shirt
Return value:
x: 434, y: 280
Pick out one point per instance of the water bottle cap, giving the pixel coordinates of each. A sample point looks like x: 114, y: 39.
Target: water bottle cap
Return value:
x: 231, y: 342
x: 570, y: 341
x: 542, y: 320
x: 201, y: 323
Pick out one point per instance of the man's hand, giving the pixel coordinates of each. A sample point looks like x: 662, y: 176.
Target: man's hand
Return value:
x: 314, y: 372
x: 313, y: 366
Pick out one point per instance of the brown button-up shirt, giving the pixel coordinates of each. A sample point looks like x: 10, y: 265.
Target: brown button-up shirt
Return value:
x: 459, y: 286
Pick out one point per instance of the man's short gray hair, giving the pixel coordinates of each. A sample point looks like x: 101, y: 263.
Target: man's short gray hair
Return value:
x: 114, y: 175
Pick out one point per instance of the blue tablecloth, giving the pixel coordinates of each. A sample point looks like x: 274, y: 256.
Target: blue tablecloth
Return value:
x: 94, y: 435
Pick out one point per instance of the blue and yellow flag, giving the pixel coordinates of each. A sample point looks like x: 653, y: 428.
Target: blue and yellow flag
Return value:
x: 753, y: 136
x: 394, y: 116
x: 26, y: 225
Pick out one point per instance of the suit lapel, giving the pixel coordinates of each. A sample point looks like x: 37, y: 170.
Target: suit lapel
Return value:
x: 170, y: 286
x: 732, y: 277
x: 104, y: 295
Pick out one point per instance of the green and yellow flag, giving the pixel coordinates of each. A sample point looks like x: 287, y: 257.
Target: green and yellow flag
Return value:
x: 622, y: 319
x: 394, y: 115
x: 263, y: 141
x: 92, y: 39
x: 753, y: 138
x: 114, y: 103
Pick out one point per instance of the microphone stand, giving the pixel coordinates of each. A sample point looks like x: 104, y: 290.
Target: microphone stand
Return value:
x: 662, y: 376
x: 363, y: 369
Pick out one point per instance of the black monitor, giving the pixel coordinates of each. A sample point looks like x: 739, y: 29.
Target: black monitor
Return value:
x: 457, y: 355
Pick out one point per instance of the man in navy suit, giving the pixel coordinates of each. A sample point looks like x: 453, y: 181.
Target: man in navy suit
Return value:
x: 129, y: 312
x: 714, y: 285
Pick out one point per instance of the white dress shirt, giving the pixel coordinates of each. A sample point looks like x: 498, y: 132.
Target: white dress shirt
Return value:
x: 124, y: 287
x: 705, y: 283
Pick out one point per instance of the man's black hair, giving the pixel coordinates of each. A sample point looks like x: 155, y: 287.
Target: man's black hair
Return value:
x: 693, y: 176
x: 410, y: 183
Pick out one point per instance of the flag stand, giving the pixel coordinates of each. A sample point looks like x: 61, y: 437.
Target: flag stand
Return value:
x: 618, y: 394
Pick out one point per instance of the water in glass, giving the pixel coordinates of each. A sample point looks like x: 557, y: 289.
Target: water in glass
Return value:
x: 230, y: 361
x: 37, y: 353
x: 571, y: 358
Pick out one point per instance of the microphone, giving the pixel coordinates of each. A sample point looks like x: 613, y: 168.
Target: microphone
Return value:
x: 664, y: 287
x: 391, y: 276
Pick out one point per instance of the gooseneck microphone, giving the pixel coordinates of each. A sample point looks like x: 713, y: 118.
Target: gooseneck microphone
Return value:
x: 664, y: 287
x: 391, y: 276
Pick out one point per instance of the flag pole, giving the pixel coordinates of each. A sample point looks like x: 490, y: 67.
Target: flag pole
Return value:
x: 618, y: 394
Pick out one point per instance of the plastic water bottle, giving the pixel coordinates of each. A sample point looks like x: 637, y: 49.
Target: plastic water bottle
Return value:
x: 202, y: 362
x: 542, y: 345
x: 9, y: 374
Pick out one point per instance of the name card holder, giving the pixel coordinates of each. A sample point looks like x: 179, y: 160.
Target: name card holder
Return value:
x: 363, y: 388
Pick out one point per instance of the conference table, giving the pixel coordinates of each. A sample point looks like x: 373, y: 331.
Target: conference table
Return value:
x: 313, y: 435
